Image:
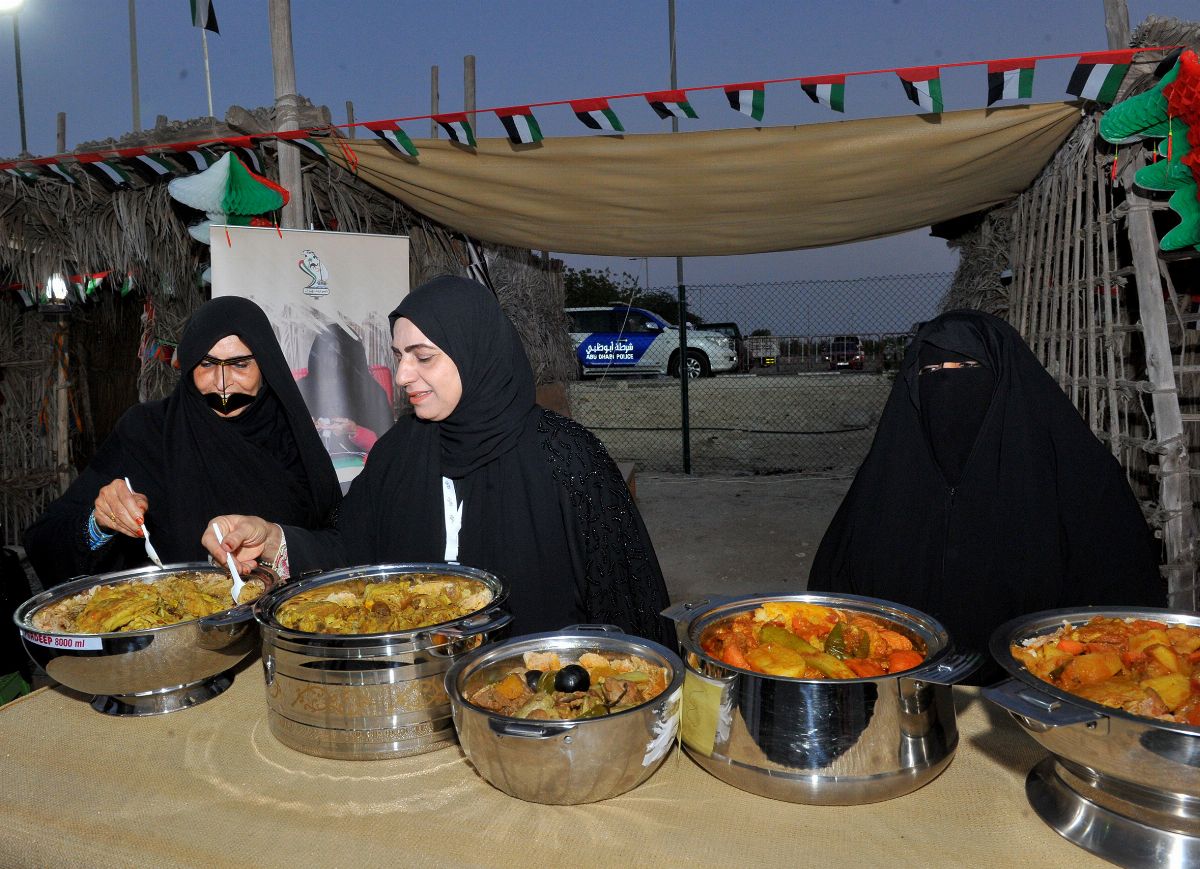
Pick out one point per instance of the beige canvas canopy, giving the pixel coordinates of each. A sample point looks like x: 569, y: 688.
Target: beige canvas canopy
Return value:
x: 726, y: 191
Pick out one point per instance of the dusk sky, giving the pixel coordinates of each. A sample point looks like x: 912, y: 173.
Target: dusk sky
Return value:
x: 378, y: 53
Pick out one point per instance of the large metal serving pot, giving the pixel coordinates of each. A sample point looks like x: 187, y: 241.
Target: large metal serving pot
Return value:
x: 368, y: 696
x: 565, y: 762
x: 1119, y: 785
x: 820, y: 741
x: 142, y: 672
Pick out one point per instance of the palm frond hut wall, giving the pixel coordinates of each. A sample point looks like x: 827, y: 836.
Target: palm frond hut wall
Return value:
x: 65, y: 379
x: 1106, y: 312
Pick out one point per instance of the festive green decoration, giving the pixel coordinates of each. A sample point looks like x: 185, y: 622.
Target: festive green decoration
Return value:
x: 1170, y: 109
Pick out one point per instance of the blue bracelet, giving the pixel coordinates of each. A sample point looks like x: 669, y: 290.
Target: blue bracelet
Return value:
x: 96, y: 537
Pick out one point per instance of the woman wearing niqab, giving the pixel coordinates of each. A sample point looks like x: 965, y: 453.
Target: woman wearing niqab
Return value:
x: 542, y: 503
x: 985, y: 496
x: 193, y: 455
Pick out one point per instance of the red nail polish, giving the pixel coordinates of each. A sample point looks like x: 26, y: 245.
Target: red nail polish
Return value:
x: 140, y: 521
x: 141, y: 533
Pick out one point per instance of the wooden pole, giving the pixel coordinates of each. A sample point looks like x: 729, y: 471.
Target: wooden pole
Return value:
x: 61, y: 134
x: 1116, y: 23
x: 135, y: 98
x: 283, y: 67
x: 62, y: 424
x: 433, y: 100
x: 469, y: 88
x: 353, y: 130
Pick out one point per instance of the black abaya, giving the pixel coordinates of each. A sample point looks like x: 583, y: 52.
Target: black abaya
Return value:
x: 192, y: 464
x: 544, y: 505
x: 339, y: 383
x: 985, y: 496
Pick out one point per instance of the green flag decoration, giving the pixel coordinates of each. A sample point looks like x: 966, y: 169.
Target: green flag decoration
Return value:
x: 391, y: 133
x: 203, y: 15
x: 749, y: 98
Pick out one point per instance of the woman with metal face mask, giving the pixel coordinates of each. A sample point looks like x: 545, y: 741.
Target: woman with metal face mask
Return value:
x: 233, y: 436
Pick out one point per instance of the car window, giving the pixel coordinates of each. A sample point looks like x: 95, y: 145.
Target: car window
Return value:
x: 592, y: 321
x: 639, y: 322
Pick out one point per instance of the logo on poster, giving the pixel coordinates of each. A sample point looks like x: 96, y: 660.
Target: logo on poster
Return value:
x: 318, y: 283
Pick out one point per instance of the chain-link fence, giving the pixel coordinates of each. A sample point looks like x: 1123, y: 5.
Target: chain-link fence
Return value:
x: 800, y: 385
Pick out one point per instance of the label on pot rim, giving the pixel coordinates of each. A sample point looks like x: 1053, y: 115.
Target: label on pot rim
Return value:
x: 60, y: 642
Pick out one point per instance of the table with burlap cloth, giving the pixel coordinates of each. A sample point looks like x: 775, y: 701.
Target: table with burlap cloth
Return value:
x: 211, y: 787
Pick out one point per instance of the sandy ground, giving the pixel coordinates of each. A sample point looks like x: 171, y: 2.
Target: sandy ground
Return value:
x: 737, y: 535
x: 821, y: 422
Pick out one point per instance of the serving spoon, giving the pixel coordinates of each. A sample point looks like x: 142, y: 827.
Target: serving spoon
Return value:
x: 150, y: 553
x: 238, y: 585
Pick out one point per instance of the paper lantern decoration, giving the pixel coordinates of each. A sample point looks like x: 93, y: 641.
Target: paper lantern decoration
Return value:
x: 1170, y: 109
x: 227, y: 192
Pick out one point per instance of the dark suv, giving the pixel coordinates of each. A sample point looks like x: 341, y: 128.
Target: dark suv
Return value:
x: 846, y: 351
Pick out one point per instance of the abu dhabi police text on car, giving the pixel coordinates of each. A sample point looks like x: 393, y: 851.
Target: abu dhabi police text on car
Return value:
x: 618, y: 339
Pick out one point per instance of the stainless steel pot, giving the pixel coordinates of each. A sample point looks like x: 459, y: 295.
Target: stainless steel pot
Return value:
x: 820, y: 741
x: 142, y: 672
x: 367, y: 696
x: 565, y: 762
x: 1121, y: 786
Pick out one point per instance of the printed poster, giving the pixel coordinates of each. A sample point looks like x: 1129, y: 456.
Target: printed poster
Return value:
x: 327, y: 295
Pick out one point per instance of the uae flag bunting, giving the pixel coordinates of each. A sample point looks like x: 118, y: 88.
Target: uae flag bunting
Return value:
x: 26, y: 299
x: 1098, y: 76
x: 1010, y: 79
x: 203, y: 15
x: 303, y: 141
x: 394, y: 136
x: 827, y: 89
x: 127, y: 285
x: 149, y: 166
x: 596, y: 115
x: 23, y: 174
x: 244, y: 147
x: 671, y: 104
x: 457, y: 127
x: 58, y: 172
x: 520, y: 125
x: 923, y: 85
x: 193, y: 159
x: 108, y: 172
x: 749, y: 99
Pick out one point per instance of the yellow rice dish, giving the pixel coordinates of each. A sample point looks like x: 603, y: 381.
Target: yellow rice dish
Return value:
x: 405, y: 603
x: 139, y: 604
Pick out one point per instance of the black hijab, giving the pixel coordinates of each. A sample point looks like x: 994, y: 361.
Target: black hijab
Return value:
x: 985, y: 497
x: 193, y: 464
x: 513, y: 520
x: 340, y: 384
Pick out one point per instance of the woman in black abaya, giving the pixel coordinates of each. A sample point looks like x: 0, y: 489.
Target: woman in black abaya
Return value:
x: 541, y: 502
x: 985, y: 496
x: 234, y: 435
x: 351, y: 408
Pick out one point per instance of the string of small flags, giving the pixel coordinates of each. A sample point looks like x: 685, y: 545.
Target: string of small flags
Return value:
x: 1097, y: 76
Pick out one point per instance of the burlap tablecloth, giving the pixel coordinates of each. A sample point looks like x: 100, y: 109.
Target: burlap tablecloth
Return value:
x: 211, y: 787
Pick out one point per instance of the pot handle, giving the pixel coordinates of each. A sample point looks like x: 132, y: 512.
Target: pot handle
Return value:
x: 952, y: 669
x: 228, y: 618
x: 607, y: 629
x: 482, y: 623
x: 527, y: 729
x: 682, y: 611
x: 1036, y: 706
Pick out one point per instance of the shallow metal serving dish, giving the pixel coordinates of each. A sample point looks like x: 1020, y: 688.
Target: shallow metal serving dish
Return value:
x: 1122, y: 786
x: 368, y: 696
x: 820, y: 741
x: 142, y: 672
x: 565, y: 762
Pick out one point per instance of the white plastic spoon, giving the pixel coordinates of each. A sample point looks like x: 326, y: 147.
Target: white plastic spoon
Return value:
x: 238, y: 585
x: 150, y: 553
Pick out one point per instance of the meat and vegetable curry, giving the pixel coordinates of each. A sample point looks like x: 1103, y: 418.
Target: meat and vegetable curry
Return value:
x: 139, y: 604
x: 403, y: 603
x: 547, y: 688
x: 1144, y: 667
x: 810, y: 641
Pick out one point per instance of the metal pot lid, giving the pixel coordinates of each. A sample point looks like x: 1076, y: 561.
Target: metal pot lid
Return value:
x: 1039, y: 624
x: 23, y: 614
x: 698, y: 616
x: 267, y: 605
x: 569, y: 643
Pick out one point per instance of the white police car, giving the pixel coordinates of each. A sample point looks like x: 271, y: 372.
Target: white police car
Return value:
x: 619, y: 339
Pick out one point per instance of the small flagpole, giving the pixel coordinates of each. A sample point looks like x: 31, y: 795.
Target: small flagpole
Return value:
x: 207, y: 72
